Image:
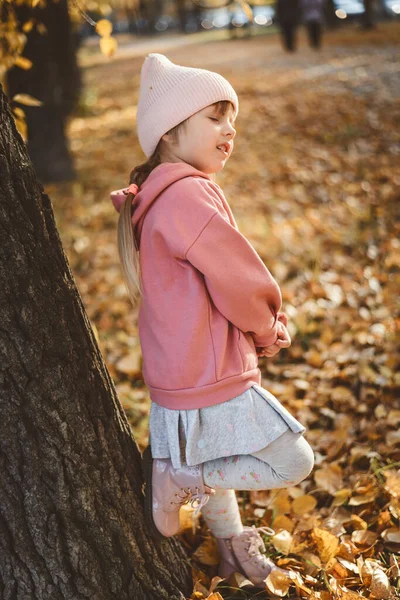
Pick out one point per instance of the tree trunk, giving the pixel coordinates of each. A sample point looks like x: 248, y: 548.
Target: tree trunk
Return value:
x: 55, y: 80
x: 71, y: 505
x: 368, y: 20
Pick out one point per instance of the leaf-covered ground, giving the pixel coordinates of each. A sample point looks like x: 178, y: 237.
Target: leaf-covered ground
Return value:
x: 313, y: 183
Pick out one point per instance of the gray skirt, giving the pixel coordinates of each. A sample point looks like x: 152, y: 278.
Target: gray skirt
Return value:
x: 242, y: 425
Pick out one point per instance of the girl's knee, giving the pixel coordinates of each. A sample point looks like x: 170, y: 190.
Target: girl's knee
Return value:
x: 303, y: 462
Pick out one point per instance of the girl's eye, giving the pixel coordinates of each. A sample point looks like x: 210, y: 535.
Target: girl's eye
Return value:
x: 214, y: 119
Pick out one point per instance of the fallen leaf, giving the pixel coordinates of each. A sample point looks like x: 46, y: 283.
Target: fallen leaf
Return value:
x: 326, y: 543
x: 207, y: 553
x: 380, y: 586
x: 283, y: 522
x: 282, y: 541
x: 364, y: 538
x: 304, y: 504
x: 391, y: 535
x: 329, y: 478
x: 278, y: 583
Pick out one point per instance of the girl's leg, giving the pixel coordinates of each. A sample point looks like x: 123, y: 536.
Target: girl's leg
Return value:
x: 222, y: 515
x: 285, y: 462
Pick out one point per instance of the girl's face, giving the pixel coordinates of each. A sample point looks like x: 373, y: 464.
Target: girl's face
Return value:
x: 205, y: 140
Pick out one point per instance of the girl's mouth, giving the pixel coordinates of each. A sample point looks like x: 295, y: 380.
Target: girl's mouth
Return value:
x: 224, y: 148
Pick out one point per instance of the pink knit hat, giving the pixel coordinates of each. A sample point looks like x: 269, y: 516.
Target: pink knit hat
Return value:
x: 169, y: 94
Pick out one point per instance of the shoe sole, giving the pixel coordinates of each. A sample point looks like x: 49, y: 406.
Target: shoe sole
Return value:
x: 147, y: 467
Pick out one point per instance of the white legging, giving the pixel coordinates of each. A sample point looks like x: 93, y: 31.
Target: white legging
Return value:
x: 285, y: 462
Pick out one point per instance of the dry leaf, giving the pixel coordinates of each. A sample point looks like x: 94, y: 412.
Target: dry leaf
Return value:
x: 282, y: 541
x: 363, y: 499
x: 329, y: 478
x: 358, y: 523
x: 27, y: 100
x: 214, y: 582
x: 278, y: 583
x: 108, y: 45
x: 23, y: 63
x: 327, y: 544
x: 364, y: 538
x: 380, y: 586
x: 304, y: 504
x: 283, y: 522
x: 281, y: 503
x: 215, y: 596
x: 207, y: 553
x: 391, y: 535
x: 392, y: 484
x: 341, y: 496
x: 237, y: 580
x: 104, y: 27
x: 350, y: 595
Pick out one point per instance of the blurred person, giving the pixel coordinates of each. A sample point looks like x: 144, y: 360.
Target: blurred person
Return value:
x: 288, y: 15
x: 312, y: 12
x: 209, y: 309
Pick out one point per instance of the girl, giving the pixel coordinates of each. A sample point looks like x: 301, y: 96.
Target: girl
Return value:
x: 209, y: 309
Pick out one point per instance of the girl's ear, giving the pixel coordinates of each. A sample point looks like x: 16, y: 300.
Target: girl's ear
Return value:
x: 166, y: 138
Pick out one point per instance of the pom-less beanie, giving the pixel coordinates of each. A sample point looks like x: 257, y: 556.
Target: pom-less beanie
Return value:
x: 169, y: 94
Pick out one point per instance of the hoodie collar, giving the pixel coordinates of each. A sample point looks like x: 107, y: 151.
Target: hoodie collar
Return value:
x: 159, y: 179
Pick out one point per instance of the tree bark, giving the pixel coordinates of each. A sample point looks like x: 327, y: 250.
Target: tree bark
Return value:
x: 71, y: 505
x: 54, y: 78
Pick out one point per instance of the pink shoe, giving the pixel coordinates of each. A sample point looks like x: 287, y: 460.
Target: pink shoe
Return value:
x: 243, y: 553
x: 167, y: 489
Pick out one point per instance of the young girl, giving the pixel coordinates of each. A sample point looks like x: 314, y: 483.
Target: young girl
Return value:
x: 209, y: 308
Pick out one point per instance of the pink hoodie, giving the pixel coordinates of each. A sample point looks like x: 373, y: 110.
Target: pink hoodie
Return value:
x: 208, y: 298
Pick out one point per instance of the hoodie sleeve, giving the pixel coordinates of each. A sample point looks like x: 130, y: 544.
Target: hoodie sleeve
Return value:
x: 238, y: 282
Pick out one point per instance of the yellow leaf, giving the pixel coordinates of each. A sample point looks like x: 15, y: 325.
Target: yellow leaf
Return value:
x: 104, y: 27
x: 283, y: 522
x: 187, y: 519
x: 278, y: 583
x: 108, y: 45
x: 27, y: 27
x: 358, y: 523
x: 282, y: 541
x: 22, y: 128
x: 329, y: 478
x: 281, y: 503
x: 327, y: 544
x: 247, y: 10
x: 215, y: 596
x: 23, y: 63
x: 27, y: 100
x: 350, y: 595
x: 304, y: 504
x: 18, y: 112
x: 341, y: 496
x: 35, y: 3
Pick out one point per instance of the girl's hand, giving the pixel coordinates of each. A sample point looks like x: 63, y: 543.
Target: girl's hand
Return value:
x: 283, y: 341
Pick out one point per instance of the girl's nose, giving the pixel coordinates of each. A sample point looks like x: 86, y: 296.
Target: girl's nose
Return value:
x: 230, y: 131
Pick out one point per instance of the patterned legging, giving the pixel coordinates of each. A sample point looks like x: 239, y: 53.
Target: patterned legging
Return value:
x: 285, y: 462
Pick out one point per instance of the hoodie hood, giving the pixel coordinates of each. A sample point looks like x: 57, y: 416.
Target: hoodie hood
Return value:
x: 159, y: 179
